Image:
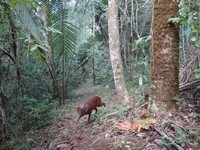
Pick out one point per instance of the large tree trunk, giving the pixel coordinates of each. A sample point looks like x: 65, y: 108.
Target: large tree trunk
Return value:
x: 115, y: 56
x: 164, y: 56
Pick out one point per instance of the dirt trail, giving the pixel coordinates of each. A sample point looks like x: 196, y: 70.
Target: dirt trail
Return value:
x: 172, y: 131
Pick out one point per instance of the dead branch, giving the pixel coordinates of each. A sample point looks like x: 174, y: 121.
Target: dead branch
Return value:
x: 178, y: 147
x: 178, y: 125
x: 186, y: 74
x: 3, y: 117
x: 95, y: 141
x: 188, y: 85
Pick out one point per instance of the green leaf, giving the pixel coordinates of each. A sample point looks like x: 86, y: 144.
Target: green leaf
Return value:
x: 193, y: 39
x: 197, y: 73
x: 141, y: 80
x: 34, y: 47
x: 197, y: 76
x: 193, y: 133
x: 50, y: 29
x: 177, y: 19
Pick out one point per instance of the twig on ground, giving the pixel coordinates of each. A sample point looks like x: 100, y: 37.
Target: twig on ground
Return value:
x: 176, y: 124
x: 95, y: 141
x: 73, y: 145
x: 111, y: 114
x: 166, y: 137
x: 53, y: 143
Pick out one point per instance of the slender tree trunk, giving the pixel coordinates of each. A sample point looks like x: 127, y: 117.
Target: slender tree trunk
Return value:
x: 14, y: 52
x: 164, y: 56
x: 50, y: 55
x: 3, y: 117
x: 93, y: 71
x: 124, y: 32
x: 93, y: 49
x: 1, y: 71
x: 63, y: 53
x: 115, y: 55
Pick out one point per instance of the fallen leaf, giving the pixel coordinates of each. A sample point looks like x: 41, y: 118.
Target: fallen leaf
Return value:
x: 144, y: 114
x: 67, y: 117
x: 144, y: 124
x: 136, y: 125
x: 124, y: 126
x: 73, y: 141
x: 61, y: 146
x: 141, y: 135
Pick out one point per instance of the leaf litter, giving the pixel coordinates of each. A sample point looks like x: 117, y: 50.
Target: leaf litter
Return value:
x: 179, y: 130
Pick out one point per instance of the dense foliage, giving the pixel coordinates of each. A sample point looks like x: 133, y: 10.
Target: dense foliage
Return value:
x: 48, y: 48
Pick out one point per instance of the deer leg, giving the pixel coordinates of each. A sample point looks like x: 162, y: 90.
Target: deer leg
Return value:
x: 95, y: 110
x: 78, y: 119
x: 89, y: 118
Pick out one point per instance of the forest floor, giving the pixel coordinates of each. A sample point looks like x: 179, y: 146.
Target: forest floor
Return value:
x: 111, y: 128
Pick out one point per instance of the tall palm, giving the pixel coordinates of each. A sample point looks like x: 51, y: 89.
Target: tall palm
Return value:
x: 63, y: 43
x: 43, y: 33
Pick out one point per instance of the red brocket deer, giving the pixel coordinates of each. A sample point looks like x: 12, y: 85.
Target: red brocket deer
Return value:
x: 87, y: 107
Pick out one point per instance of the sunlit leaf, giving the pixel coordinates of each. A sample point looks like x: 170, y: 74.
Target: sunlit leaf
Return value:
x: 141, y: 80
x: 193, y: 39
x: 33, y: 48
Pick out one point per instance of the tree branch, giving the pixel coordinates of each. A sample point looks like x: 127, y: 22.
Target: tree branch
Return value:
x: 178, y: 147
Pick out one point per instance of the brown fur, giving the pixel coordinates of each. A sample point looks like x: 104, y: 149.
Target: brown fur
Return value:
x: 87, y: 107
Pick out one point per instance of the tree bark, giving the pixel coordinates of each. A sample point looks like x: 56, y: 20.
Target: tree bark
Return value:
x: 114, y: 46
x: 164, y: 56
x: 14, y: 53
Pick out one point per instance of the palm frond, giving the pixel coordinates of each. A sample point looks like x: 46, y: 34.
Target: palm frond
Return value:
x: 69, y: 37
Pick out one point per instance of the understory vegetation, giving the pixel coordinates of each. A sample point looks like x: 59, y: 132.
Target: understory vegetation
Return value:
x: 55, y: 54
